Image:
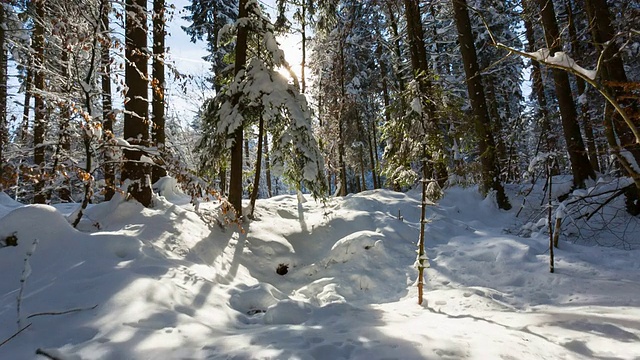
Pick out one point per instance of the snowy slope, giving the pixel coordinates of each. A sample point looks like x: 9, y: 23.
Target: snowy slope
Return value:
x: 169, y: 283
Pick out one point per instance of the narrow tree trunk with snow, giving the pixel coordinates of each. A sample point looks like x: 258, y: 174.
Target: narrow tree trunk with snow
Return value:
x: 108, y: 116
x: 581, y: 87
x: 28, y: 85
x: 486, y: 143
x: 39, y: 125
x: 580, y: 166
x: 267, y: 164
x: 421, y: 72
x: 549, y: 215
x: 3, y: 92
x: 258, y: 170
x: 235, y: 181
x: 423, y: 220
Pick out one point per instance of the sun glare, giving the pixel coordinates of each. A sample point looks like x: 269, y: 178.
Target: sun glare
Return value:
x: 290, y: 44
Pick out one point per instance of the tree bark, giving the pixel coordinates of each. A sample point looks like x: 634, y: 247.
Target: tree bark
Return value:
x: 158, y: 84
x: 581, y: 87
x: 136, y: 117
x: 39, y: 125
x: 256, y: 179
x: 538, y: 88
x: 3, y: 93
x: 267, y: 163
x: 420, y: 66
x: 235, y: 181
x: 486, y: 144
x: 580, y: 166
x: 613, y: 73
x: 24, y: 131
x: 108, y: 116
x: 341, y: 162
x: 303, y: 26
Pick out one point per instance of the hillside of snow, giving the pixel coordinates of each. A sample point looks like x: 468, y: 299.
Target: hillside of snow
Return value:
x: 172, y: 283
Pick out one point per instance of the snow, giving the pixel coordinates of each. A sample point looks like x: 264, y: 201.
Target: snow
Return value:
x: 560, y: 58
x: 169, y: 284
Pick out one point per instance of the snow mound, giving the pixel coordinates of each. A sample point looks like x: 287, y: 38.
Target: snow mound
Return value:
x: 290, y: 312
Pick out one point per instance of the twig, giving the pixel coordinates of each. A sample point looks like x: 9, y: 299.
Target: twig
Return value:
x: 61, y: 312
x: 610, y: 199
x: 26, y: 272
x: 14, y: 335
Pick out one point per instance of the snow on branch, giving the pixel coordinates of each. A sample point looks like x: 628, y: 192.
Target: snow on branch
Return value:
x: 563, y: 60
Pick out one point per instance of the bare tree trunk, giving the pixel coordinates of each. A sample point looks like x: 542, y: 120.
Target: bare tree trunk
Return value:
x: 136, y: 117
x: 267, y: 163
x: 235, y: 181
x: 24, y: 131
x: 580, y: 166
x: 108, y: 116
x: 538, y: 88
x: 420, y: 66
x: 486, y: 144
x: 423, y: 211
x: 3, y: 93
x: 303, y: 25
x: 158, y: 83
x: 581, y: 87
x: 343, y: 167
x: 613, y: 72
x: 39, y: 125
x: 496, y: 127
x: 256, y: 179
x: 374, y: 177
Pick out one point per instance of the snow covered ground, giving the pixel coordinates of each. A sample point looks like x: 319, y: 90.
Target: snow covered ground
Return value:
x: 170, y: 283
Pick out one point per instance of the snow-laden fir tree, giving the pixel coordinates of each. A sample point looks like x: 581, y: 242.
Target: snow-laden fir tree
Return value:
x: 258, y: 93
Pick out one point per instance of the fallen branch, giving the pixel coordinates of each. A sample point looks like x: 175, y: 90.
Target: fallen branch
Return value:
x: 61, y: 312
x: 14, y: 335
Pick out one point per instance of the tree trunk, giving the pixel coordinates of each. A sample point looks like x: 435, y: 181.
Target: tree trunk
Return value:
x: 343, y: 92
x: 423, y: 211
x: 24, y: 131
x: 580, y: 166
x: 420, y: 66
x: 108, y: 116
x: 581, y: 87
x: 486, y: 144
x: 136, y: 117
x: 303, y: 25
x: 613, y: 73
x: 256, y: 178
x: 614, y: 77
x: 496, y: 128
x: 39, y: 124
x: 3, y: 93
x: 235, y: 181
x: 157, y: 93
x: 538, y: 88
x: 267, y: 164
x: 374, y: 177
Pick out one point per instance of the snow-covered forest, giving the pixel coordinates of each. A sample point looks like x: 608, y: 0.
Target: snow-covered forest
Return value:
x: 413, y: 179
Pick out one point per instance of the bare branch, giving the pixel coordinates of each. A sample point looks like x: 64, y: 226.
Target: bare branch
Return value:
x: 14, y: 335
x: 61, y: 312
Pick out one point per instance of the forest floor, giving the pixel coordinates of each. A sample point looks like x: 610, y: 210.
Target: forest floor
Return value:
x: 172, y: 283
